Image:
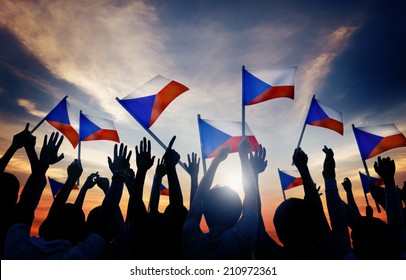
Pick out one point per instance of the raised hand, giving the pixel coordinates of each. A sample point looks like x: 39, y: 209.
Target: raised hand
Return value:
x: 193, y: 165
x: 49, y: 151
x: 329, y: 164
x: 103, y: 183
x: 91, y: 180
x: 257, y: 159
x: 347, y: 184
x: 244, y: 148
x: 385, y: 167
x: 75, y: 170
x: 22, y: 138
x: 171, y: 157
x: 300, y: 158
x: 160, y: 170
x: 222, y: 154
x: 143, y: 156
x: 121, y: 161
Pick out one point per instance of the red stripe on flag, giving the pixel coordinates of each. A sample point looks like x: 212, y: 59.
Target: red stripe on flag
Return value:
x: 387, y: 143
x: 233, y: 142
x: 274, y: 92
x: 331, y: 124
x: 164, y: 97
x: 104, y: 134
x: 67, y: 130
x: 295, y: 183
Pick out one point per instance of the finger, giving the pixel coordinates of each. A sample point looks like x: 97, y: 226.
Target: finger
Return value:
x: 136, y: 151
x: 129, y: 155
x: 60, y: 142
x: 27, y: 126
x: 121, y: 151
x: 115, y: 150
x: 188, y: 159
x: 171, y: 142
x: 149, y: 147
x: 264, y: 153
x: 124, y: 151
x: 58, y: 159
x: 152, y: 160
x: 142, y: 145
x: 198, y: 161
x: 45, y: 140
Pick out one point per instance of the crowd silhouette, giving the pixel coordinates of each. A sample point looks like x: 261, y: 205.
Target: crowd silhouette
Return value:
x: 236, y: 229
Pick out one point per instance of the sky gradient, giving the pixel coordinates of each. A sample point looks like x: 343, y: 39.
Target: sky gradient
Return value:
x: 350, y: 54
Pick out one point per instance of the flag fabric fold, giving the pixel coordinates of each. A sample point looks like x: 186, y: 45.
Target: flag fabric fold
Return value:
x: 374, y: 140
x: 56, y: 186
x: 215, y: 134
x: 365, y: 182
x: 58, y: 117
x: 146, y: 103
x: 289, y: 179
x: 260, y: 86
x: 94, y: 128
x: 163, y: 190
x: 321, y: 115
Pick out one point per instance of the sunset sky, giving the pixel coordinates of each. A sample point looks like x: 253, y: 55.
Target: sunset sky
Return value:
x: 350, y: 54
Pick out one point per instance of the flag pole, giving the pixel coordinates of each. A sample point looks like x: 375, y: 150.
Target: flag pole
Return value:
x: 183, y: 165
x: 242, y: 103
x: 201, y: 147
x: 369, y: 177
x: 43, y: 119
x: 79, y: 147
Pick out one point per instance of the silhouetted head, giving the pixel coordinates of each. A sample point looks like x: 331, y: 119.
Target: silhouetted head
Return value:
x: 95, y: 222
x: 297, y: 224
x: 9, y: 190
x: 222, y: 207
x: 67, y: 222
x: 373, y: 239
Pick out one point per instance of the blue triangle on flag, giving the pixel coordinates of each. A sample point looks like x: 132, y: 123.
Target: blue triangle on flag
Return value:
x: 211, y: 138
x: 252, y: 87
x: 286, y: 179
x: 140, y: 108
x: 316, y: 113
x: 86, y: 127
x: 366, y: 142
x: 59, y: 113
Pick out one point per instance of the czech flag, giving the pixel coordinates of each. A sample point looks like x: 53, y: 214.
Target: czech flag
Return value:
x: 365, y: 182
x: 289, y: 179
x: 94, y: 128
x: 56, y: 186
x: 59, y: 118
x: 148, y: 102
x: 322, y: 115
x: 163, y: 190
x: 217, y: 134
x: 374, y: 140
x: 260, y: 86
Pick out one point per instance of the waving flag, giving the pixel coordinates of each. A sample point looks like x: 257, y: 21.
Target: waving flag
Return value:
x: 163, y: 190
x: 365, y: 182
x: 217, y: 134
x: 148, y: 102
x: 260, y: 86
x: 56, y: 186
x: 59, y: 118
x: 374, y: 140
x: 289, y: 179
x: 94, y: 128
x: 322, y: 115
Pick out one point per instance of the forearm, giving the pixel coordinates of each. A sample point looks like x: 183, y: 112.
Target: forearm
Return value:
x: 81, y: 197
x: 32, y: 156
x: 394, y: 212
x: 138, y: 188
x: 6, y: 158
x: 351, y: 202
x: 155, y: 194
x: 175, y: 193
x: 193, y: 187
x: 338, y: 216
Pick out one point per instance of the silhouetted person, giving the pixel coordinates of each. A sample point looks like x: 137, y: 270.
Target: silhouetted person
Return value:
x: 231, y: 235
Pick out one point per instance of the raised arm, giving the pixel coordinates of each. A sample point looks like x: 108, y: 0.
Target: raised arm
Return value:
x: 300, y: 160
x: 35, y: 184
x: 385, y: 167
x: 21, y: 139
x: 196, y: 209
x: 171, y: 158
x: 347, y: 185
x: 335, y: 206
x: 160, y: 172
x: 89, y: 183
x: 119, y: 166
x: 136, y: 206
x: 193, y: 170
